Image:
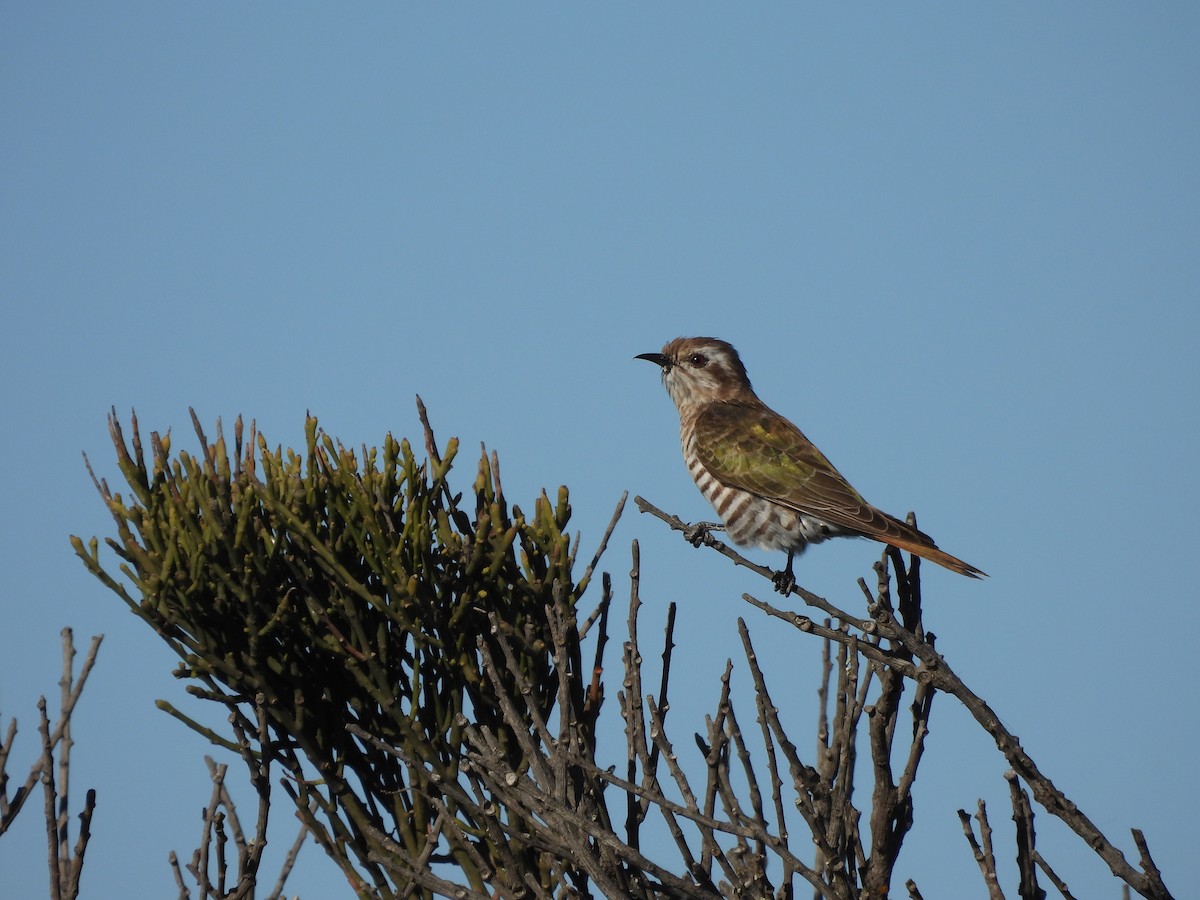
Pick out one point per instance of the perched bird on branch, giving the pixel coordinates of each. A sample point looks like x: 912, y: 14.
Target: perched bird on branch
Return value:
x: 770, y: 485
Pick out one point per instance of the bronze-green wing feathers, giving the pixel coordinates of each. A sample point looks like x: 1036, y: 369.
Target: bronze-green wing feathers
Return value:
x: 751, y: 448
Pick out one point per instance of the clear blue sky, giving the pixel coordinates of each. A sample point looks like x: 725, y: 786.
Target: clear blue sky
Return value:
x: 957, y: 244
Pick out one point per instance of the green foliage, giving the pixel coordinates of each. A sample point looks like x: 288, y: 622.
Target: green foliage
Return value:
x: 306, y: 592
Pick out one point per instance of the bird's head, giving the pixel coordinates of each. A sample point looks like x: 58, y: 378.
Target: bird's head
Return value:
x: 699, y: 370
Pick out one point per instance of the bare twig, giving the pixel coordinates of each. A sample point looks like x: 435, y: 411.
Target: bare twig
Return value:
x: 1059, y: 884
x: 1028, y: 888
x: 49, y: 794
x: 983, y: 852
x: 612, y: 524
x: 64, y: 859
x: 72, y: 688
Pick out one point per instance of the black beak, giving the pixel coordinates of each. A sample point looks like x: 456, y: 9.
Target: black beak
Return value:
x: 657, y: 358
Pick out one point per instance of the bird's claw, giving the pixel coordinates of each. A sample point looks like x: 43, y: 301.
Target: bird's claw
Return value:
x: 700, y: 532
x: 784, y: 581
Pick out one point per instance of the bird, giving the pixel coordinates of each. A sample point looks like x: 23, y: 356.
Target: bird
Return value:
x: 771, y: 486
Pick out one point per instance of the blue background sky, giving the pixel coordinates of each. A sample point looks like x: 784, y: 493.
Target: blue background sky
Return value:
x: 957, y: 245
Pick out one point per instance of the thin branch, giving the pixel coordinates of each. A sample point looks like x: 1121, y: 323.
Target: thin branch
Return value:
x: 48, y: 795
x: 1059, y: 884
x: 1028, y: 888
x: 582, y: 583
x: 983, y: 853
x: 11, y: 807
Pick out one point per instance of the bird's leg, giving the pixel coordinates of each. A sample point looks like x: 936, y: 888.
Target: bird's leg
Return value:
x: 785, y: 579
x: 697, y: 533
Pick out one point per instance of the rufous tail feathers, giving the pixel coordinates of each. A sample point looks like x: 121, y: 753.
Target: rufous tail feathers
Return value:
x: 933, y: 554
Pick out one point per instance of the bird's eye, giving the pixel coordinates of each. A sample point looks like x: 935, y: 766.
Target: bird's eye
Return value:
x: 699, y: 360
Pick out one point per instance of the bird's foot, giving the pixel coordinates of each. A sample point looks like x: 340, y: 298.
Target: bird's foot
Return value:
x: 784, y: 580
x: 698, y: 533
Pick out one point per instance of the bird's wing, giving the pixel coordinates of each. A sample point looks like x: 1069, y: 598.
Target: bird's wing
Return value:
x: 757, y: 450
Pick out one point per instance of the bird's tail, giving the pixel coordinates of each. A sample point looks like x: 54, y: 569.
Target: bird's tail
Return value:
x: 926, y: 550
